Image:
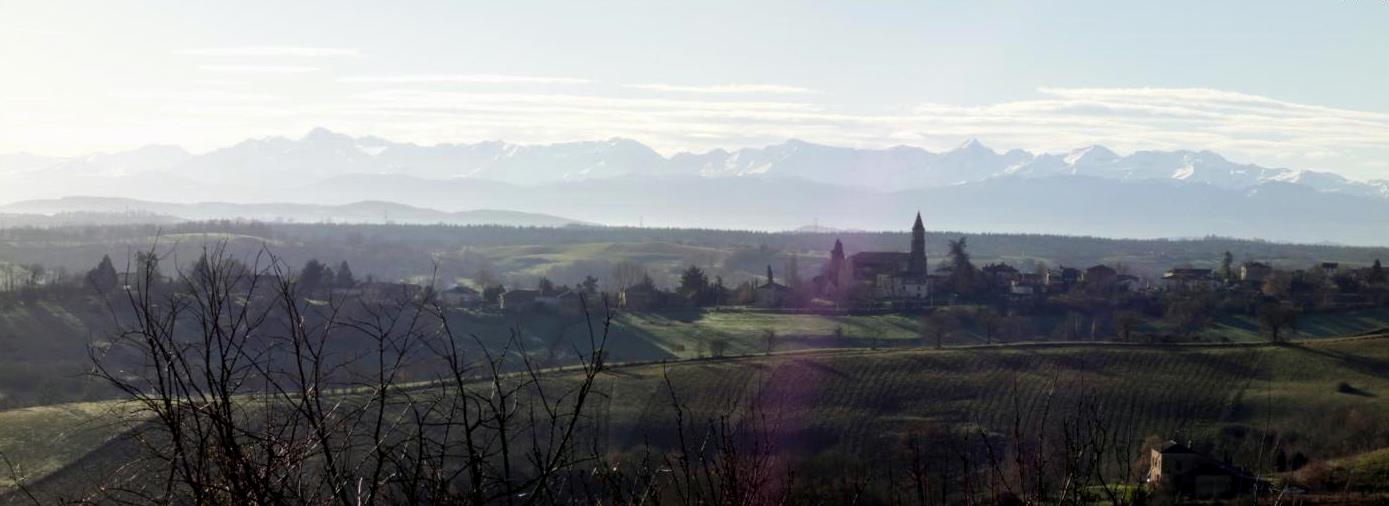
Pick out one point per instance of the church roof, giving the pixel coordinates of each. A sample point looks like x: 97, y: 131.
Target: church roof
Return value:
x: 772, y: 285
x: 878, y: 256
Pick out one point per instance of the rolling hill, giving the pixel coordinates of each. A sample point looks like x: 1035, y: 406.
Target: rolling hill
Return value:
x: 1235, y: 400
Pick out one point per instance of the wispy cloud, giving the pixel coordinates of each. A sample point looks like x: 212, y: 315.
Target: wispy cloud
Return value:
x: 723, y: 88
x: 218, y: 82
x: 1243, y: 127
x: 464, y: 78
x: 271, y: 51
x: 259, y: 69
x: 435, y: 99
x: 46, y: 32
x: 198, y: 96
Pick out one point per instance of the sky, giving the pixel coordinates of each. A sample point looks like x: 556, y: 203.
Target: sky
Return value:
x: 1285, y: 84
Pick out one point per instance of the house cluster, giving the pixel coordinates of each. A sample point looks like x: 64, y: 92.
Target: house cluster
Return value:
x: 1097, y: 279
x: 563, y: 301
x: 560, y: 300
x: 1324, y: 285
x: 902, y: 280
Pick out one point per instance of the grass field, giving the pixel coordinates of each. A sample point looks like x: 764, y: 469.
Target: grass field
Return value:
x: 1243, y: 328
x: 686, y: 333
x: 1230, y: 399
x: 682, y: 332
x: 40, y: 440
x: 663, y: 260
x: 1199, y: 393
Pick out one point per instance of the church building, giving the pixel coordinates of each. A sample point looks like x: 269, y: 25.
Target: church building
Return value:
x: 886, y: 275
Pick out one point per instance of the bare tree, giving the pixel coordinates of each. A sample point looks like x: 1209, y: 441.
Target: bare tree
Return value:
x: 627, y: 273
x: 1274, y: 318
x: 1126, y: 322
x: 249, y: 393
x: 937, y: 326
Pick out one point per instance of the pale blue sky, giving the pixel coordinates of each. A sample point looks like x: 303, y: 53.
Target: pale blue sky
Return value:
x: 1298, y: 84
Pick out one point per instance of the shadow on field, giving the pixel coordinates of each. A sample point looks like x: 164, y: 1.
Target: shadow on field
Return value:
x: 820, y: 367
x: 1366, y: 365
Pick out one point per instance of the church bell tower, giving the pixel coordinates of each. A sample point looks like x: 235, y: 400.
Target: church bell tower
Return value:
x: 916, y: 263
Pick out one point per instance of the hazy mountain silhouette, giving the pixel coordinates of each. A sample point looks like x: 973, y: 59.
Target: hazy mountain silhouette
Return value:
x: 1091, y: 190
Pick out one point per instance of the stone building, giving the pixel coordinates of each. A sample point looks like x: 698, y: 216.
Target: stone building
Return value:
x: 1176, y: 468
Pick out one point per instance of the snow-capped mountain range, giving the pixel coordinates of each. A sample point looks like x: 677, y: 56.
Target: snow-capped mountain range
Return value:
x: 323, y: 154
x: 1088, y: 191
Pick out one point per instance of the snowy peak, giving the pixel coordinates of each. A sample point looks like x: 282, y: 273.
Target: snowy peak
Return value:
x: 972, y: 144
x: 1091, y: 156
x: 322, y: 154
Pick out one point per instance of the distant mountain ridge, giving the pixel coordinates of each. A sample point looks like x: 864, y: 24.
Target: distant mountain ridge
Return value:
x: 323, y: 154
x: 104, y: 209
x: 327, y: 176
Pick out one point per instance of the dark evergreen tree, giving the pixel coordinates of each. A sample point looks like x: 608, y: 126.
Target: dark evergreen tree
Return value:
x: 720, y: 292
x: 793, y: 273
x: 344, y: 276
x: 693, y: 281
x: 103, y: 277
x: 694, y: 285
x: 962, y: 271
x: 1377, y: 272
x: 311, y: 277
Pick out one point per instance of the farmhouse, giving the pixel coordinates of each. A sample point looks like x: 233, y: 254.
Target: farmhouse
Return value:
x: 1099, y: 275
x: 1060, y: 280
x: 770, y: 294
x: 1178, y: 468
x: 373, y: 292
x: 460, y: 295
x: 1254, y: 272
x: 566, y: 302
x: 1000, y: 275
x: 1183, y: 278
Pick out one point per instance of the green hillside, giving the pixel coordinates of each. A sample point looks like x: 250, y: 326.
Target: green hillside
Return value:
x: 1205, y: 393
x: 1317, y: 397
x: 40, y: 440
